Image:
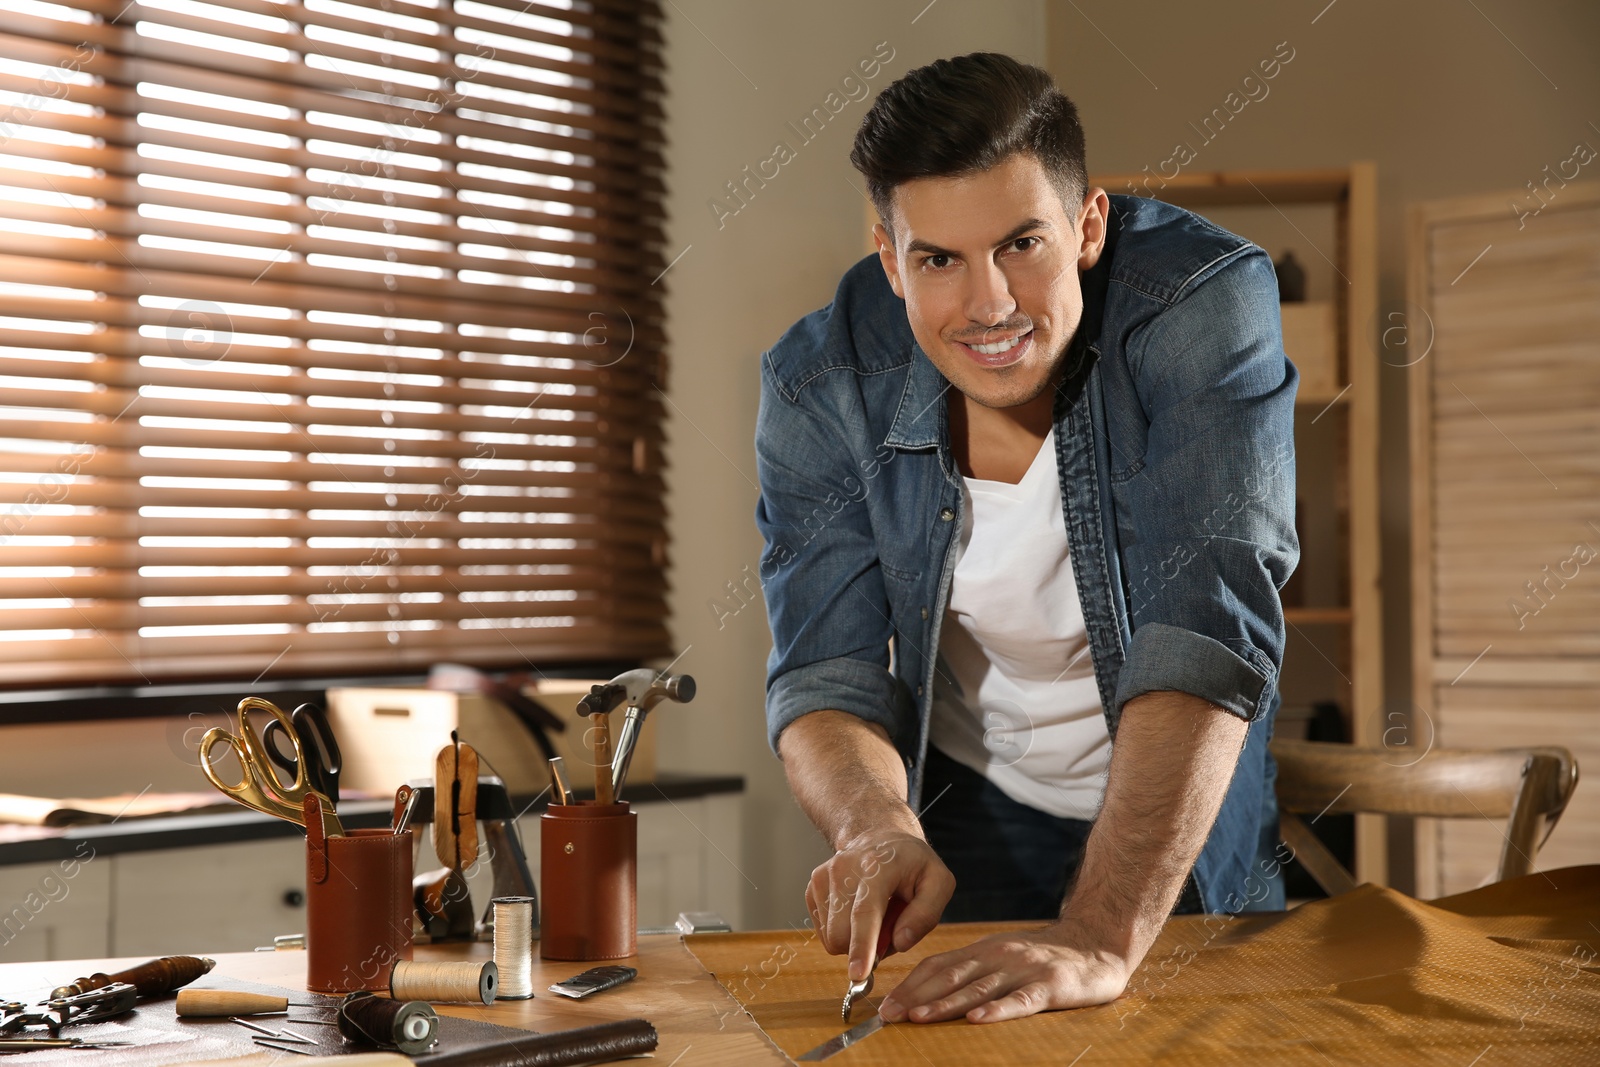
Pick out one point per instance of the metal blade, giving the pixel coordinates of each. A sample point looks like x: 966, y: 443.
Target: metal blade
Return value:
x: 854, y: 992
x: 835, y: 1045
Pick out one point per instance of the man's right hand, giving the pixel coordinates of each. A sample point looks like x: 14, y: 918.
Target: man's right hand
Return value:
x: 848, y: 895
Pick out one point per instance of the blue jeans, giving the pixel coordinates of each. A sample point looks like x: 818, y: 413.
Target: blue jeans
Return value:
x: 1010, y: 861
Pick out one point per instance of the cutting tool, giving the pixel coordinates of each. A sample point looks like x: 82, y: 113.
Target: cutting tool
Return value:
x: 261, y: 787
x: 318, y: 742
x: 858, y: 990
x: 835, y: 1045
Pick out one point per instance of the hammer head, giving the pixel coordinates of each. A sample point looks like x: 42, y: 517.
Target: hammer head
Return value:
x: 678, y: 688
x: 642, y: 689
x: 601, y: 699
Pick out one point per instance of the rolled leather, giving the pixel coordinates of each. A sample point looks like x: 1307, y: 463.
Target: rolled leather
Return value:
x: 601, y: 1043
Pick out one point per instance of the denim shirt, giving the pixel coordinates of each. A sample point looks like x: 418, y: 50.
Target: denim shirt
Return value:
x: 1175, y: 452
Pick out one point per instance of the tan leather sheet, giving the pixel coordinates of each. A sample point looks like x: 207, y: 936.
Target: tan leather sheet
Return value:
x: 1508, y: 974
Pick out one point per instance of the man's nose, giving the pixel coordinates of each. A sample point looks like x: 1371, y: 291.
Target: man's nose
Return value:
x: 989, y: 299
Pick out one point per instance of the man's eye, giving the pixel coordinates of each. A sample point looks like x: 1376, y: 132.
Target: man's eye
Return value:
x: 1024, y: 244
x: 937, y: 262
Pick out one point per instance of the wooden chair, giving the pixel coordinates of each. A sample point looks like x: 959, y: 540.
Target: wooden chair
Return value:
x: 1529, y: 787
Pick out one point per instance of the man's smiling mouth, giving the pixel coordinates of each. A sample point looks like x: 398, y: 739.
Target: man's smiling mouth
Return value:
x: 999, y: 346
x: 1003, y: 353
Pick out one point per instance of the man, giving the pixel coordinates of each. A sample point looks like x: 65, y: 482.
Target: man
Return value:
x: 1027, y: 492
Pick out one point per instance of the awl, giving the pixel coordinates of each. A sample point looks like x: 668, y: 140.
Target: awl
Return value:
x: 218, y: 1003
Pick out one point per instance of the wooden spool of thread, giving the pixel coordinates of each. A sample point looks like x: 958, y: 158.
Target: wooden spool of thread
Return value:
x: 409, y: 1027
x: 513, y: 946
x: 445, y: 983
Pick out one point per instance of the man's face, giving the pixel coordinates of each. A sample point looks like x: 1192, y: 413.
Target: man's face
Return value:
x: 988, y: 267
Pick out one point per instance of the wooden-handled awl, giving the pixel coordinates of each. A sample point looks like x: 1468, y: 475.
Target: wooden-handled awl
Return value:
x: 204, y: 1003
x: 153, y: 979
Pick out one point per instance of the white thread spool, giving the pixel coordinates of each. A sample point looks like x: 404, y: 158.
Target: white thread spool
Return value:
x: 513, y: 946
x: 445, y: 983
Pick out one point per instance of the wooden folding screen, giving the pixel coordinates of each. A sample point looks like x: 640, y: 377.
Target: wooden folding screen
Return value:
x: 1504, y: 321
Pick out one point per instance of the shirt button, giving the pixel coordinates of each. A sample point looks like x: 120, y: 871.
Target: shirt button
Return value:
x: 919, y: 690
x: 924, y: 613
x: 946, y: 514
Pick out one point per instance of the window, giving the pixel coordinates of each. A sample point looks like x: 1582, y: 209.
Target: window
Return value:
x: 329, y: 341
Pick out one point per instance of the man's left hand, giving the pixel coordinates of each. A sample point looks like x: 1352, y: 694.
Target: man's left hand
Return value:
x: 1008, y: 976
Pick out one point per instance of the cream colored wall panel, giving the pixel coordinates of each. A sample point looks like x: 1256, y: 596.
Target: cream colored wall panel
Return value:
x: 216, y: 898
x: 56, y: 911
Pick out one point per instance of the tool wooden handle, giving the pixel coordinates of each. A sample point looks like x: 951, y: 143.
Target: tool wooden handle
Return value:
x: 152, y: 979
x: 455, y: 805
x: 604, y: 787
x: 206, y: 1002
x: 162, y: 976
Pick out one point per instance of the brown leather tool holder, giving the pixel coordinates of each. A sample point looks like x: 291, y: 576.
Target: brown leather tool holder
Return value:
x: 358, y: 908
x: 588, y: 881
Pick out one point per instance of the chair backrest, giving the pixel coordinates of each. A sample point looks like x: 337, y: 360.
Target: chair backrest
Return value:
x: 1528, y: 787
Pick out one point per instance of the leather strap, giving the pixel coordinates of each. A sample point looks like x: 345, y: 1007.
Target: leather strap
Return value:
x: 316, y: 842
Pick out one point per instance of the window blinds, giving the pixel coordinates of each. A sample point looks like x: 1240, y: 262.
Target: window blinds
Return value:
x: 329, y: 338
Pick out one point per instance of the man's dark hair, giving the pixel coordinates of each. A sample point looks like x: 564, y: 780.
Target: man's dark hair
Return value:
x: 960, y: 116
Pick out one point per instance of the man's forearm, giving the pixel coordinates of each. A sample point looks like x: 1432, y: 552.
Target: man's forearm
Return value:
x: 1171, y: 763
x: 846, y: 775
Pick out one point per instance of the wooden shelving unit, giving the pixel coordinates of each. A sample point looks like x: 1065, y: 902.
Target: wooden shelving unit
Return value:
x: 1348, y: 633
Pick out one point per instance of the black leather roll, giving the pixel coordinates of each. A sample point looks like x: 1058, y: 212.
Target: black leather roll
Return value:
x: 565, y: 1048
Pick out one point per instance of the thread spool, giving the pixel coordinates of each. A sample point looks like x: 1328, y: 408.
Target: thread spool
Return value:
x: 513, y: 946
x: 445, y: 983
x: 410, y: 1027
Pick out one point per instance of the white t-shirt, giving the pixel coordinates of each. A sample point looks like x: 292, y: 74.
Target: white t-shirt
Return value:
x: 1016, y: 700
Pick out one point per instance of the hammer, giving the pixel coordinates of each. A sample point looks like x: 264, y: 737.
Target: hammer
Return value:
x: 646, y: 689
x: 597, y: 707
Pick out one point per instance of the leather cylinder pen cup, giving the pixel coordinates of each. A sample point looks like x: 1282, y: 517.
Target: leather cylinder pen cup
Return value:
x: 358, y: 909
x: 588, y: 882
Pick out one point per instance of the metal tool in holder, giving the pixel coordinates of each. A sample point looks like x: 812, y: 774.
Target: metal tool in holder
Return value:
x: 262, y: 786
x: 320, y: 746
x: 640, y: 690
x: 642, y: 696
x: 508, y: 862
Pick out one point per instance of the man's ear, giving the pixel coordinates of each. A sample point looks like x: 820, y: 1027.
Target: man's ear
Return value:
x: 1092, y: 220
x: 887, y: 257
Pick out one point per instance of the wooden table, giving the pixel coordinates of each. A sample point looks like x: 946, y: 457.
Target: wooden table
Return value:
x: 1508, y: 974
x: 698, y: 1021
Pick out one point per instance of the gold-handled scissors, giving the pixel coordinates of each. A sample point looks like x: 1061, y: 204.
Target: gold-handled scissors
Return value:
x: 261, y: 788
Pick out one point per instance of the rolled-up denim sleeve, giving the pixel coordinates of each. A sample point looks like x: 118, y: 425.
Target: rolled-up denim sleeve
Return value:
x: 1213, y: 506
x: 820, y: 573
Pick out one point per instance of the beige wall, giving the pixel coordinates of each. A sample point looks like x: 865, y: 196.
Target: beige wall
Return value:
x: 1447, y: 97
x: 1444, y: 100
x: 738, y: 73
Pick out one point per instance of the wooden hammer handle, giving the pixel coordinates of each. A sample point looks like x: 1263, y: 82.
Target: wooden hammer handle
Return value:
x: 604, y: 787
